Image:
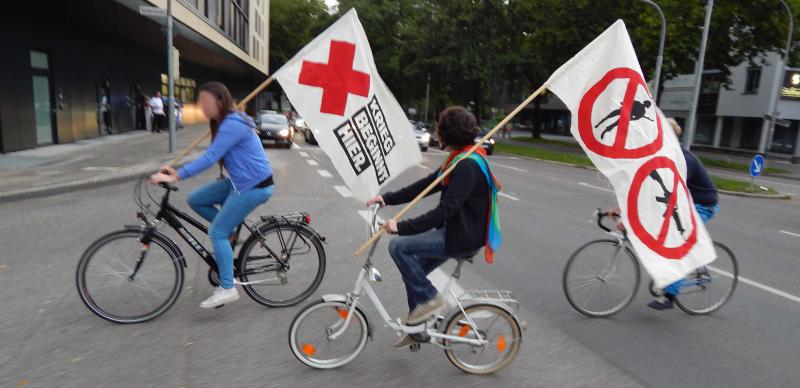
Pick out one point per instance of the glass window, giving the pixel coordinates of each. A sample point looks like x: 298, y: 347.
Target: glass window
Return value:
x: 272, y: 118
x: 753, y: 80
x: 39, y: 60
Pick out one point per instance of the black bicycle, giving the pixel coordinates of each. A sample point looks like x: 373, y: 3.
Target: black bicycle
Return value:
x: 136, y: 274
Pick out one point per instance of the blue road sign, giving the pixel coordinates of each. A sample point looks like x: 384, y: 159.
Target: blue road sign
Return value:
x: 756, y: 165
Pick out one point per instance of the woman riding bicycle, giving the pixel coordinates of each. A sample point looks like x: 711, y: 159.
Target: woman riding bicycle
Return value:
x: 464, y: 220
x: 236, y: 147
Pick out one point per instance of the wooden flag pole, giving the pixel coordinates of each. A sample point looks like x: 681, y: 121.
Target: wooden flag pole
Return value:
x: 360, y: 251
x: 206, y: 135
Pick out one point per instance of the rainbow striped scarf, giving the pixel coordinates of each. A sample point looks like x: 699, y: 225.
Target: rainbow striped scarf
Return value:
x: 494, y: 235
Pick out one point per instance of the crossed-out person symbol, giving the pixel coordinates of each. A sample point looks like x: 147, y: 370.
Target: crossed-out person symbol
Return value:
x: 638, y: 109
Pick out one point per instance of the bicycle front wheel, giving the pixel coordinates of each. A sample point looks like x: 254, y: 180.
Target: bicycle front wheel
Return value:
x: 601, y: 278
x: 495, y: 325
x: 311, y: 331
x: 269, y: 282
x: 122, y: 280
x: 708, y: 288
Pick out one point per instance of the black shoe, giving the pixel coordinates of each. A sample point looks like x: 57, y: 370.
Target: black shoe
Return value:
x: 662, y: 303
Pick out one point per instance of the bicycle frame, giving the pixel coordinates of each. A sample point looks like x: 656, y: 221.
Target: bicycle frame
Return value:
x: 368, y: 274
x: 173, y: 216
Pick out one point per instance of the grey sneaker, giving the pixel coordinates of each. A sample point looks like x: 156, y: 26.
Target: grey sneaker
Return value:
x: 404, y: 342
x: 425, y: 311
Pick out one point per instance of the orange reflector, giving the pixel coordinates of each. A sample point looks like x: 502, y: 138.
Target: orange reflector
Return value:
x: 342, y: 313
x: 464, y: 331
x: 309, y: 349
x: 501, y: 343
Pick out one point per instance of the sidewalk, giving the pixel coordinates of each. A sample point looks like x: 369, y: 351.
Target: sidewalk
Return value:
x: 88, y: 163
x: 560, y: 143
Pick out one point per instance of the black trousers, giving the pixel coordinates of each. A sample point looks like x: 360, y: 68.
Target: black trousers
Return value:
x: 158, y: 122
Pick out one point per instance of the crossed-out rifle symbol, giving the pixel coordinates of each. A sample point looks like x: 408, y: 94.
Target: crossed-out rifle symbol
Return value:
x: 665, y: 200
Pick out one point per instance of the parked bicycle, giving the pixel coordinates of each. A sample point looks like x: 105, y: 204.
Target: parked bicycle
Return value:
x: 602, y: 277
x: 481, y: 335
x: 136, y: 274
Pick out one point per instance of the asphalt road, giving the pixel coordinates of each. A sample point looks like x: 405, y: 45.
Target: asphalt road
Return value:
x: 48, y: 338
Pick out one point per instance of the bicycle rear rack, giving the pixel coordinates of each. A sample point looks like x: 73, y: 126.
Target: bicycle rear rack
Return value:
x: 293, y: 217
x: 491, y: 296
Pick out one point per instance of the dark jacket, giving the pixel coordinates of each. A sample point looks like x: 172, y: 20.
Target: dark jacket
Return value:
x: 697, y: 180
x: 463, y: 207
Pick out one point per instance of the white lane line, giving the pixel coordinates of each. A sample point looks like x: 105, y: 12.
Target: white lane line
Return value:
x: 324, y: 173
x: 761, y: 286
x: 312, y: 162
x: 790, y: 233
x: 584, y: 184
x: 424, y: 166
x: 295, y: 146
x: 303, y: 154
x: 343, y: 191
x: 504, y: 195
x: 438, y: 277
x: 509, y: 167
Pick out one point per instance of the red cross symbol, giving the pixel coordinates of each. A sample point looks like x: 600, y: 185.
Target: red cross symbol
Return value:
x: 336, y: 78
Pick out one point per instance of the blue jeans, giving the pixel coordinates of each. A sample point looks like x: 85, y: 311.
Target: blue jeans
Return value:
x: 416, y: 256
x: 224, y: 220
x: 706, y: 214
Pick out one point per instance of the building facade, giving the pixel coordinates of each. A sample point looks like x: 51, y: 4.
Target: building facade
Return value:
x: 79, y: 69
x: 735, y: 117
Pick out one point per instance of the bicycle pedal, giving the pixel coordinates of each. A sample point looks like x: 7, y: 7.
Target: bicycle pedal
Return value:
x: 414, y: 347
x: 219, y: 307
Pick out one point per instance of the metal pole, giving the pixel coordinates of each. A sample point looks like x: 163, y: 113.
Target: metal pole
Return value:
x: 780, y: 71
x: 171, y: 80
x: 660, y: 57
x: 427, y: 94
x: 698, y: 80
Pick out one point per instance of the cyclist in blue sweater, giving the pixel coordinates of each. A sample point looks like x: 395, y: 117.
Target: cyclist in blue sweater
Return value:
x: 226, y: 202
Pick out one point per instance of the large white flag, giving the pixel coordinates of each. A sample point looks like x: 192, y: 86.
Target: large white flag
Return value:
x: 334, y: 85
x: 628, y: 139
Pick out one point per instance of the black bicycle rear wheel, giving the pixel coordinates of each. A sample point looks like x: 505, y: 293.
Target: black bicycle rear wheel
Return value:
x: 266, y: 281
x: 107, y: 288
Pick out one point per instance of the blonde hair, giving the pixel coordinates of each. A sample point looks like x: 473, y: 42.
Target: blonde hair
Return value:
x: 675, y: 126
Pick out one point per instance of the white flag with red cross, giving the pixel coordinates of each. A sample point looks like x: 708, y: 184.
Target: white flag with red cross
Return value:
x: 334, y: 85
x: 616, y: 121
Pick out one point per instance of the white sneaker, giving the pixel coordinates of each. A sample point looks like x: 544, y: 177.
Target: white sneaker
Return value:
x: 220, y: 297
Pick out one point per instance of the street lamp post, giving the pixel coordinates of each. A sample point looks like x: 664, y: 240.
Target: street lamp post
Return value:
x: 660, y: 57
x: 170, y: 80
x: 427, y: 95
x: 698, y: 79
x: 780, y: 71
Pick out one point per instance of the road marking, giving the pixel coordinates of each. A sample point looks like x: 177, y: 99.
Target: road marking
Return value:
x: 343, y: 191
x: 509, y: 167
x: 295, y: 146
x: 324, y: 173
x: 312, y: 162
x: 756, y: 284
x: 790, y: 233
x: 303, y: 154
x: 424, y: 166
x: 438, y: 277
x: 504, y: 195
x: 584, y: 184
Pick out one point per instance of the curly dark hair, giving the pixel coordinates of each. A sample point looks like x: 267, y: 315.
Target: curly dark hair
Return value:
x: 456, y: 128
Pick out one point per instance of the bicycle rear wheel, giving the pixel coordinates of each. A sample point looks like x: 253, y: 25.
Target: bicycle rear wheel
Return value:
x: 111, y: 286
x: 601, y: 278
x: 494, y: 324
x: 708, y: 288
x: 309, y: 335
x: 264, y: 278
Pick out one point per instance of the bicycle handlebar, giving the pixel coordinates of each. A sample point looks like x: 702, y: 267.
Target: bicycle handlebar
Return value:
x: 600, y: 214
x: 168, y: 186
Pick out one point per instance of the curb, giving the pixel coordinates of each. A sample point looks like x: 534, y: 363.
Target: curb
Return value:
x: 118, y: 176
x: 592, y: 168
x: 755, y: 195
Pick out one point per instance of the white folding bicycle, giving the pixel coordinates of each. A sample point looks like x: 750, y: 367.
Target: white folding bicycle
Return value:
x: 481, y: 336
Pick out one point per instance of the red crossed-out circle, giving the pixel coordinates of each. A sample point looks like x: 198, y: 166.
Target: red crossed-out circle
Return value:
x: 657, y: 243
x: 587, y: 104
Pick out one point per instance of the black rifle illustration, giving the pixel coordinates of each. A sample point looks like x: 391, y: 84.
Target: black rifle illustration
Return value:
x: 638, y: 109
x: 665, y: 200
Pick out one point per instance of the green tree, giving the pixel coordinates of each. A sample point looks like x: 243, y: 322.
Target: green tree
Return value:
x: 293, y: 23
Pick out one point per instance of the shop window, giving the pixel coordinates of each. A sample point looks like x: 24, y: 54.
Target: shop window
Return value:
x: 753, y: 80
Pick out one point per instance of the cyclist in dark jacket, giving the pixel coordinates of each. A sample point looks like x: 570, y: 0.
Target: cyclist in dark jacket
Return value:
x: 456, y: 227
